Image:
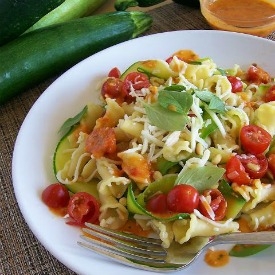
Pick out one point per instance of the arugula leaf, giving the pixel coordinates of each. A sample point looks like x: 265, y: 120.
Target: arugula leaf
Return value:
x: 179, y: 102
x: 201, y: 178
x: 164, y: 118
x: 70, y: 122
x: 215, y: 104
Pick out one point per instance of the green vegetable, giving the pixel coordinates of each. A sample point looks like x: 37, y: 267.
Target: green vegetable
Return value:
x: 205, y: 177
x: 156, y: 68
x: 39, y: 54
x: 68, y: 10
x: 137, y: 205
x: 235, y: 202
x: 86, y: 119
x: 245, y: 250
x: 165, y: 119
x: 17, y: 16
x: 88, y: 187
x: 122, y: 5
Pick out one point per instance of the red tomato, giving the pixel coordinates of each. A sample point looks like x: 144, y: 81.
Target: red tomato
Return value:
x: 270, y: 94
x: 83, y: 207
x: 56, y: 195
x: 183, y: 198
x: 254, y: 139
x: 217, y: 203
x: 169, y: 59
x: 112, y: 88
x: 235, y: 172
x: 271, y: 164
x: 136, y: 80
x: 255, y: 166
x: 236, y: 84
x: 157, y: 204
x: 257, y: 75
x: 114, y: 72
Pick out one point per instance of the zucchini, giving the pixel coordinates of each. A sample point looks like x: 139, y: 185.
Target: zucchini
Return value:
x: 40, y: 54
x: 17, y: 16
x: 122, y: 5
x: 68, y: 10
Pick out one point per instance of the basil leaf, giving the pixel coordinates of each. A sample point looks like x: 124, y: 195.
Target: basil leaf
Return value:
x: 165, y: 119
x: 179, y: 102
x: 70, y: 122
x: 214, y: 103
x: 176, y: 88
x: 201, y: 178
x: 210, y: 128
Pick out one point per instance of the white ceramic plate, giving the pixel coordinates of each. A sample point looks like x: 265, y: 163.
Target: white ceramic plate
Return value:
x: 32, y: 160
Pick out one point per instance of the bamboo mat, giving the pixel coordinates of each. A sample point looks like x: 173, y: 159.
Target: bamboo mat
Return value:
x: 20, y: 251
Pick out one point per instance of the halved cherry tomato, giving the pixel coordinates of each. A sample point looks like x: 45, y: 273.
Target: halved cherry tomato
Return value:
x: 270, y: 94
x: 254, y: 139
x: 83, y: 207
x: 256, y: 74
x: 236, y: 84
x: 255, y: 166
x: 56, y: 195
x: 136, y: 80
x: 217, y: 203
x: 157, y: 204
x: 114, y: 72
x: 112, y: 88
x: 101, y: 141
x: 235, y: 171
x: 271, y: 164
x: 183, y: 198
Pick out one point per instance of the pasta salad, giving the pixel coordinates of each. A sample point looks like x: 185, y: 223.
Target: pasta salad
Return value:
x: 179, y: 147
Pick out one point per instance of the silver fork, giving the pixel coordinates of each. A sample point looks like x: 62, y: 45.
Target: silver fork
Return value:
x: 148, y: 254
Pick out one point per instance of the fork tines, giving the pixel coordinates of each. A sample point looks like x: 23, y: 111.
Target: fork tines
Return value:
x: 123, y: 244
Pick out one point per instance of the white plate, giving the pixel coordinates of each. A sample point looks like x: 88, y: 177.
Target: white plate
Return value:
x: 32, y: 160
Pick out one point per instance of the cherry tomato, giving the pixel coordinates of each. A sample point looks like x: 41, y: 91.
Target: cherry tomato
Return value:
x: 254, y: 139
x: 101, y: 141
x: 255, y: 166
x: 271, y: 164
x: 235, y: 171
x: 236, y: 84
x: 56, y: 195
x: 112, y: 88
x: 157, y: 204
x: 169, y: 59
x: 183, y: 198
x: 136, y: 80
x: 217, y: 203
x: 83, y: 207
x: 257, y: 75
x: 270, y: 94
x: 114, y: 72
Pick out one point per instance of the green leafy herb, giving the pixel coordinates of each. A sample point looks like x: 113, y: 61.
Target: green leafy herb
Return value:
x: 245, y: 250
x: 215, y: 104
x: 179, y: 102
x: 210, y: 128
x: 201, y: 177
x: 176, y: 88
x: 164, y: 118
x: 222, y: 71
x: 72, y: 121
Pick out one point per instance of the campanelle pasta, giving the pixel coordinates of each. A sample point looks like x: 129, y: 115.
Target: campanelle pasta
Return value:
x: 182, y: 127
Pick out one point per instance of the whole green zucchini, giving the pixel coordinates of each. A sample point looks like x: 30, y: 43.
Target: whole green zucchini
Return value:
x: 68, y: 10
x: 37, y: 55
x: 16, y: 16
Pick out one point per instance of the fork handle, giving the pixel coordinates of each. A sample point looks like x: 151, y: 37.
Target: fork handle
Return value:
x: 264, y: 237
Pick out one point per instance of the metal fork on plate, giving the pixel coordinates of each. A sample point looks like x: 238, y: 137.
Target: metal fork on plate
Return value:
x: 148, y: 254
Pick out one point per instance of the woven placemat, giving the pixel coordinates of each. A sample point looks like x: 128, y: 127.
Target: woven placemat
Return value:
x: 20, y: 251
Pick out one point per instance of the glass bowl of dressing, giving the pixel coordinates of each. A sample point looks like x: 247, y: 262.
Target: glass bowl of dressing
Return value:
x: 256, y: 17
